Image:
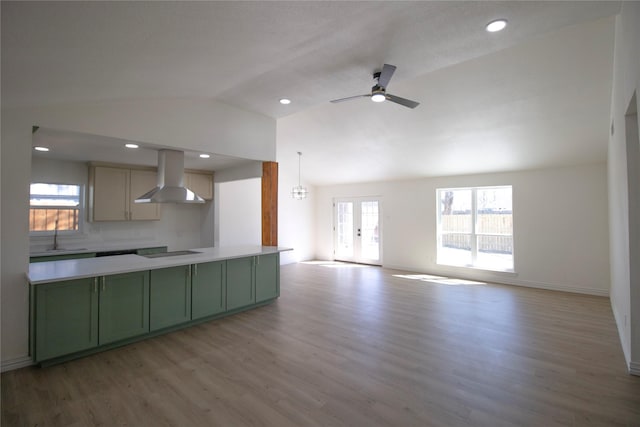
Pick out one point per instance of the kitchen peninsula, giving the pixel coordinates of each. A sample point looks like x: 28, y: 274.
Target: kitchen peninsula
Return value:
x: 82, y: 306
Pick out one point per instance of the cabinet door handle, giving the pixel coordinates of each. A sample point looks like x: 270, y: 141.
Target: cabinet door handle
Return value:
x: 186, y: 299
x: 186, y: 291
x: 95, y: 285
x: 222, y: 287
x: 195, y: 270
x: 104, y: 285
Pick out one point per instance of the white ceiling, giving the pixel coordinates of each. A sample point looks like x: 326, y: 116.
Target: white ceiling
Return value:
x: 534, y: 95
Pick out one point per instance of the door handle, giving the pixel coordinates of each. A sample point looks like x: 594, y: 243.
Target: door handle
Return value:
x: 358, y: 232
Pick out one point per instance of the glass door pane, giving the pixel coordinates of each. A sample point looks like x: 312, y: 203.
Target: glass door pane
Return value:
x: 357, y: 230
x: 369, y: 242
x: 344, y: 230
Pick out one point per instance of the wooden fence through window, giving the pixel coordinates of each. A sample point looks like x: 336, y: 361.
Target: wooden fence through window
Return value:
x: 44, y: 219
x: 494, y: 232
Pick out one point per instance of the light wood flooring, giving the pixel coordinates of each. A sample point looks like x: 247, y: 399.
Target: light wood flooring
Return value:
x: 354, y: 346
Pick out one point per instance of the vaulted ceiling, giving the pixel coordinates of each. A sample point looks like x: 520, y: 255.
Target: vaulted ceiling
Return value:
x: 534, y: 95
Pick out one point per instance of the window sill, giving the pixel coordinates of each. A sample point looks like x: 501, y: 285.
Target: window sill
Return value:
x: 51, y: 233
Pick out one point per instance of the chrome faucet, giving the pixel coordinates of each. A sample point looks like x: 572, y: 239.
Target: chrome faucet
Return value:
x: 55, y: 235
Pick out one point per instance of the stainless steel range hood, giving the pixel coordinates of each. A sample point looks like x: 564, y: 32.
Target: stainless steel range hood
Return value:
x: 170, y: 187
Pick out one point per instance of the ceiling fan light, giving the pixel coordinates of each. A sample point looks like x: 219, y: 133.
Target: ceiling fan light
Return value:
x: 497, y: 25
x: 378, y: 97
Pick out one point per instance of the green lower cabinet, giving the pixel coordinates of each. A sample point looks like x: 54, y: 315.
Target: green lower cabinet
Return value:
x: 169, y: 297
x: 208, y: 290
x: 124, y: 306
x: 66, y: 318
x: 252, y: 280
x: 240, y: 282
x: 87, y: 315
x: 267, y: 277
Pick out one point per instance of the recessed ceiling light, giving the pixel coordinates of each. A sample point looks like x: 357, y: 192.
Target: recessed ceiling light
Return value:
x: 131, y: 145
x: 204, y: 156
x: 497, y: 25
x: 41, y: 148
x: 285, y: 101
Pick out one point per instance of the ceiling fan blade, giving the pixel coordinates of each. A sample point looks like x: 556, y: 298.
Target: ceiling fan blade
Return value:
x: 385, y: 75
x: 335, y: 101
x: 402, y: 101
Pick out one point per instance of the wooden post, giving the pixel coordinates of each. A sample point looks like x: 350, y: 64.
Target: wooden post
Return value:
x: 269, y: 204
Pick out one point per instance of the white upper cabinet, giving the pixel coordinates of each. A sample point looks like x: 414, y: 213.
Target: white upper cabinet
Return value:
x: 140, y: 182
x: 200, y: 183
x: 112, y: 191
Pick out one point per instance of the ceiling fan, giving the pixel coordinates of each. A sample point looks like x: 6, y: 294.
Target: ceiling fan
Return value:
x: 379, y: 90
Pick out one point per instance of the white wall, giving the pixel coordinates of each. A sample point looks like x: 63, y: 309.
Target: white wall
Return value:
x: 185, y: 124
x: 560, y: 226
x: 625, y: 293
x: 240, y: 221
x: 241, y: 216
x: 296, y: 218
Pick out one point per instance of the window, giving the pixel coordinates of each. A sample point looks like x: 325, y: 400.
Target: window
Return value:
x: 55, y: 207
x: 475, y: 227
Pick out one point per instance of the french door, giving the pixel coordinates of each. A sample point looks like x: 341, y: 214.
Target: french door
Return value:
x: 357, y: 230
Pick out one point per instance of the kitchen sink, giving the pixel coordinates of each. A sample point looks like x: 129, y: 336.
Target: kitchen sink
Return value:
x: 173, y: 253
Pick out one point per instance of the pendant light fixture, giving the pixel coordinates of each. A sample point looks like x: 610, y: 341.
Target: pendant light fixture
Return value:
x: 299, y: 192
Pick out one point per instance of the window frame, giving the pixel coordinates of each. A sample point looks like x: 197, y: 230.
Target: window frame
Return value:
x: 81, y: 211
x: 473, y: 233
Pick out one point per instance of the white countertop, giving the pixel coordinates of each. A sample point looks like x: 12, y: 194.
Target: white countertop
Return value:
x: 55, y: 271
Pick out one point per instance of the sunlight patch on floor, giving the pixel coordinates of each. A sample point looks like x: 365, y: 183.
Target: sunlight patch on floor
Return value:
x: 458, y: 282
x: 334, y: 264
x: 424, y: 277
x: 439, y: 279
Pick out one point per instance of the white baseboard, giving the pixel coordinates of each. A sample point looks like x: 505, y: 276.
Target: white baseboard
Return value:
x: 634, y: 368
x: 505, y: 278
x: 621, y: 331
x: 20, y: 362
x: 561, y: 288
